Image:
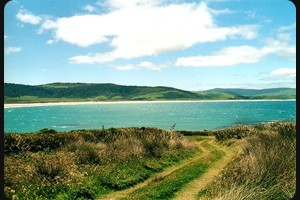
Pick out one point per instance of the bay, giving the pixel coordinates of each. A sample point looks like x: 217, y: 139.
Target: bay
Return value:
x: 200, y: 115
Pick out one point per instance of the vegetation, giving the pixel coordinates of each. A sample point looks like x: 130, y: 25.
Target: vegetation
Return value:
x: 54, y: 92
x: 264, y: 169
x: 166, y: 187
x: 91, y: 92
x: 273, y: 93
x: 86, y: 163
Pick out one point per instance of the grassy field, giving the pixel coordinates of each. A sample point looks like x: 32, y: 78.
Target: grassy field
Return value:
x: 84, y: 164
x: 242, y: 162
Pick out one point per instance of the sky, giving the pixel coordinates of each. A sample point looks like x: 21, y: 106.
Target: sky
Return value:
x: 190, y: 45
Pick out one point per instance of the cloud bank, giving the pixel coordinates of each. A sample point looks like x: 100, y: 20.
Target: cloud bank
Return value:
x: 286, y: 73
x: 26, y: 17
x: 10, y: 50
x: 138, y: 28
x: 236, y: 55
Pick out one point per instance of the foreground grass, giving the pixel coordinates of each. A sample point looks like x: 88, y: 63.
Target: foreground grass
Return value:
x: 85, y: 164
x: 166, y: 187
x: 264, y: 169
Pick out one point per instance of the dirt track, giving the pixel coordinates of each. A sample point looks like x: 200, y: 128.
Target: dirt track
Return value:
x: 190, y: 191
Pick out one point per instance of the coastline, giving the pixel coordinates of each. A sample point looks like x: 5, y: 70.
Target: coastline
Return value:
x: 18, y: 105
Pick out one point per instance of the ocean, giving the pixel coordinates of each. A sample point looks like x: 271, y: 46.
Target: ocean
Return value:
x: 200, y: 115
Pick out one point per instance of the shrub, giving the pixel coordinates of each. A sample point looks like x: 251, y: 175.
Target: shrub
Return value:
x: 14, y: 143
x: 82, y: 193
x: 50, y: 167
x: 287, y: 130
x: 46, y: 131
x: 87, y: 136
x: 87, y: 153
x: 237, y: 132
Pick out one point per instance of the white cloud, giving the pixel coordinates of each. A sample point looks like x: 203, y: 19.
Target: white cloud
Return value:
x: 287, y: 28
x: 50, y: 41
x: 251, y: 14
x: 281, y: 48
x: 227, y: 57
x: 118, y: 4
x: 222, y: 11
x: 284, y: 36
x: 27, y: 17
x: 143, y: 65
x: 10, y: 50
x: 144, y: 28
x: 46, y: 25
x: 5, y: 36
x: 285, y: 73
x: 89, y: 8
x: 231, y: 56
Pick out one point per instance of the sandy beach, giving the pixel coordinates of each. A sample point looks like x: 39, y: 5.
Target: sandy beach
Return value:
x: 16, y: 105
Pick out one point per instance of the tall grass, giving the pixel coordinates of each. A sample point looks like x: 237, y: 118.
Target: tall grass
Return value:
x: 264, y: 169
x: 83, y: 164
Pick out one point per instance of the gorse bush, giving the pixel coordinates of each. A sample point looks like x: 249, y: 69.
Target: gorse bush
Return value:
x: 88, y: 153
x: 46, y: 131
x: 236, y: 132
x: 50, y: 169
x: 34, y: 142
x: 287, y: 131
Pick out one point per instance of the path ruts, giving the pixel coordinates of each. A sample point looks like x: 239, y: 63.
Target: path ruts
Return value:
x: 190, y: 191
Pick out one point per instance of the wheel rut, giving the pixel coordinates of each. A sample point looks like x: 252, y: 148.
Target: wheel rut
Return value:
x: 191, y: 190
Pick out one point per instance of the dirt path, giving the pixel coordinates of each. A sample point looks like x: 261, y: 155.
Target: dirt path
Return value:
x: 190, y: 191
x: 187, y: 193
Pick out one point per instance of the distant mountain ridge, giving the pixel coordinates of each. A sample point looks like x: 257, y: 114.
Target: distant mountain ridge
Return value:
x: 277, y: 93
x: 52, y: 92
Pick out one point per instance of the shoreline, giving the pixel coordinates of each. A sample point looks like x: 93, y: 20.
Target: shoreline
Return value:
x: 18, y: 105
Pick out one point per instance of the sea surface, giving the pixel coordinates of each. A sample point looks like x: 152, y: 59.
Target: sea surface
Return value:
x: 184, y: 115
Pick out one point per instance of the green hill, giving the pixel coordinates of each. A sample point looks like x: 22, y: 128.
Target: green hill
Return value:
x: 92, y: 92
x: 272, y: 93
x: 54, y: 92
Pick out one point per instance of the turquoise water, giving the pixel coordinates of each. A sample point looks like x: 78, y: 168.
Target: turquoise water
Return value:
x: 186, y: 115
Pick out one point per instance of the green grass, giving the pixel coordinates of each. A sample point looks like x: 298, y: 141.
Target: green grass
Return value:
x: 84, y: 164
x: 166, y: 187
x: 35, y: 99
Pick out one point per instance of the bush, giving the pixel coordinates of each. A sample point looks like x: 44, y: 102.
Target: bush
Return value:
x: 46, y: 131
x: 237, y: 132
x: 87, y: 153
x: 15, y: 143
x: 50, y: 167
x: 287, y: 130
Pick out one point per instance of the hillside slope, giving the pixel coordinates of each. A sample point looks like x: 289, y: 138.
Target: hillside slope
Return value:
x: 272, y: 93
x: 53, y: 92
x: 95, y: 92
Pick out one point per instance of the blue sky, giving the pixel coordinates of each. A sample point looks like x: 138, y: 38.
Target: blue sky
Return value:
x: 191, y: 45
